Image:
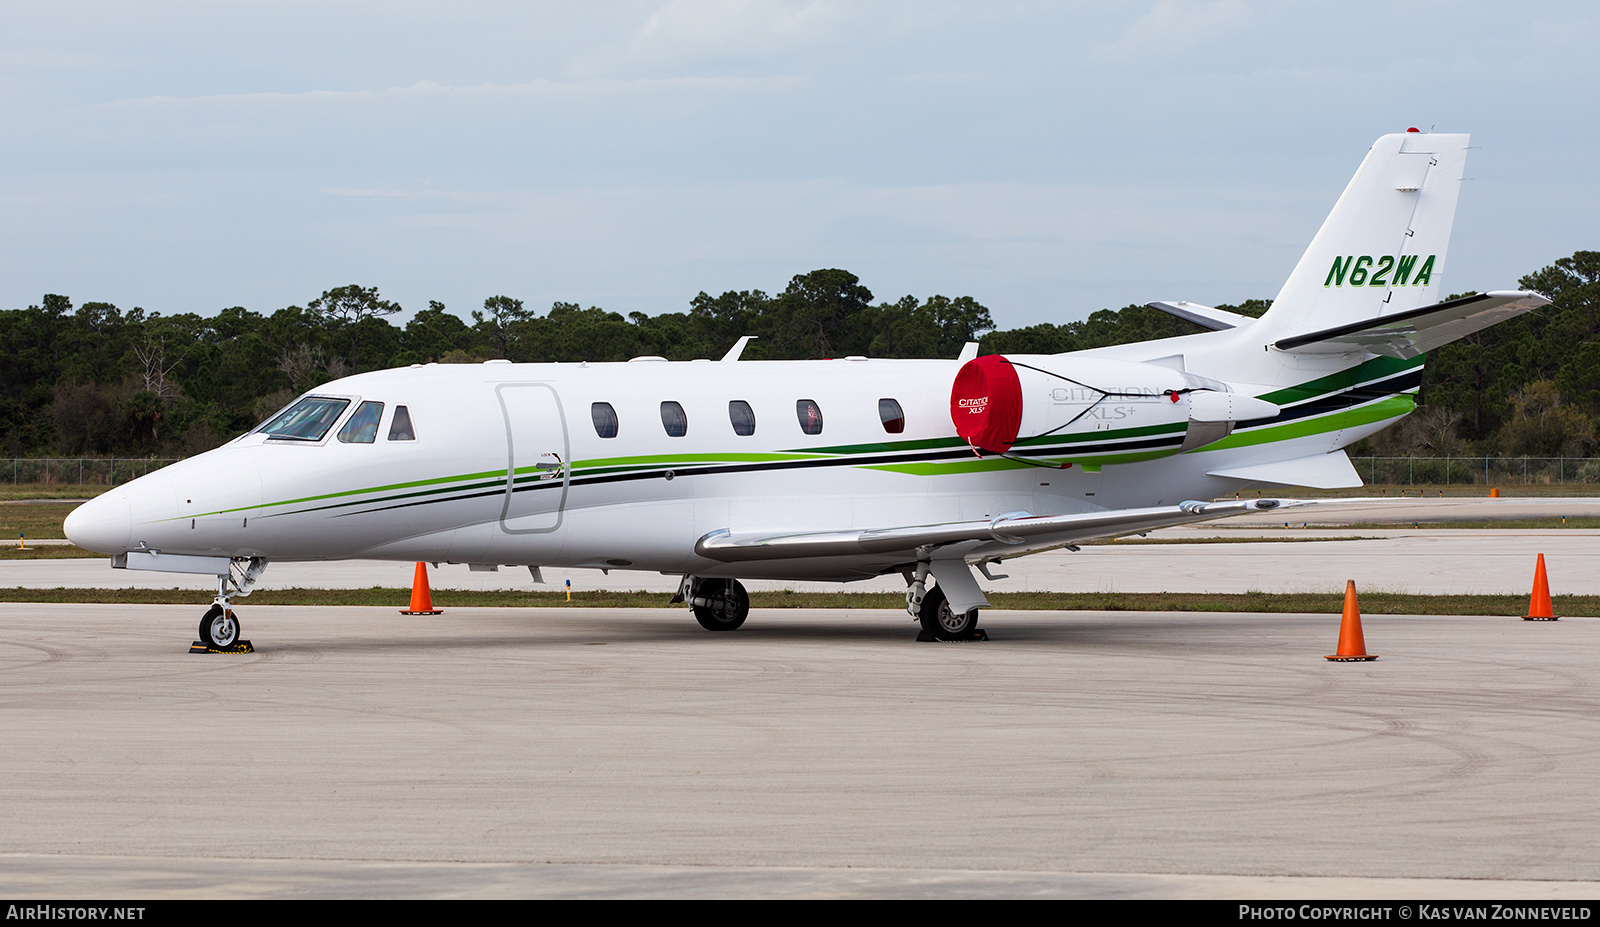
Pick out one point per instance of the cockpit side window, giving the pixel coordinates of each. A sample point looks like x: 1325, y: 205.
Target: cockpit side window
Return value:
x: 363, y: 425
x: 307, y: 420
x: 400, y: 429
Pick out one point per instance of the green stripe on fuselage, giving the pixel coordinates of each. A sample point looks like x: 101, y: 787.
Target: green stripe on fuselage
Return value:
x: 1377, y: 411
x: 1376, y: 369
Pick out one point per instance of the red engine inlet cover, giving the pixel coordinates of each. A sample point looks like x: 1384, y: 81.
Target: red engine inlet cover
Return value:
x: 986, y: 403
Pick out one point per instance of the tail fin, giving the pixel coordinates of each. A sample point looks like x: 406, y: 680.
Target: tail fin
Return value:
x: 1382, y: 249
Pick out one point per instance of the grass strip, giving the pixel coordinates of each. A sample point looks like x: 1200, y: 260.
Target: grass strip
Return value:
x: 48, y: 552
x: 1375, y: 603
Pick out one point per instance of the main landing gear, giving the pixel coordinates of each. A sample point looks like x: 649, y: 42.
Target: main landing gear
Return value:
x: 931, y: 608
x: 942, y: 622
x: 219, y: 627
x: 718, y: 604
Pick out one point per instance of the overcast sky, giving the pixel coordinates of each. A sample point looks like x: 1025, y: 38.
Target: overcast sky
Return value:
x: 1047, y: 159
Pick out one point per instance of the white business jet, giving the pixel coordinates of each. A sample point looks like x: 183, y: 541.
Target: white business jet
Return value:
x: 839, y: 469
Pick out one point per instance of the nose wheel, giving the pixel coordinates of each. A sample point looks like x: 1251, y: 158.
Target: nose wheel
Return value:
x: 219, y: 629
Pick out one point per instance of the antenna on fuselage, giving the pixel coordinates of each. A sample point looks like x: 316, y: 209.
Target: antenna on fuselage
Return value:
x: 738, y: 347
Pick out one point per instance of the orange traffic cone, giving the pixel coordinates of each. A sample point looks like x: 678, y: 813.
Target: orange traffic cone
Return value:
x: 1539, y: 605
x: 1352, y: 645
x: 421, y: 601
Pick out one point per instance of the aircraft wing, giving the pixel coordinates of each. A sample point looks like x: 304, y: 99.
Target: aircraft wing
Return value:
x: 1014, y: 533
x: 1417, y: 331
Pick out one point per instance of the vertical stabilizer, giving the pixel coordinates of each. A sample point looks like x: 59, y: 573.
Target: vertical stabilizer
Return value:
x: 1382, y: 249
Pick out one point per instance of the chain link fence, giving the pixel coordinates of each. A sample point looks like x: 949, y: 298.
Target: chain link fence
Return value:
x: 68, y: 471
x: 1451, y: 471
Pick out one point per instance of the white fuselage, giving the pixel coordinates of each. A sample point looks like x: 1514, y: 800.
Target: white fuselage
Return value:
x: 507, y: 466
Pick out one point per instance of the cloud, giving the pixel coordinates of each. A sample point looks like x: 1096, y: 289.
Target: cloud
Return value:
x: 686, y: 33
x: 1173, y: 25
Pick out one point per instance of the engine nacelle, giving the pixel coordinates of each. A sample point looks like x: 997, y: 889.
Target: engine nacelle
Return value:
x: 997, y: 401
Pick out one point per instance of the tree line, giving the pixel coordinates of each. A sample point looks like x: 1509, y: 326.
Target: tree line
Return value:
x: 96, y: 380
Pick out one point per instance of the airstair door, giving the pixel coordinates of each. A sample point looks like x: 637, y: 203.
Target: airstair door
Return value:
x: 538, y: 458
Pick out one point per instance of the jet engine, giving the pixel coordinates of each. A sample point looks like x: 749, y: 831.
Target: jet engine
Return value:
x: 997, y: 401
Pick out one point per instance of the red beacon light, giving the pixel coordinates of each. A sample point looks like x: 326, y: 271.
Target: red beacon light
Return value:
x: 1413, y: 129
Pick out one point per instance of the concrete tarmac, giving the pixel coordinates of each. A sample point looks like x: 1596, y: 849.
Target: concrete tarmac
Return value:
x: 628, y: 753
x: 1441, y: 561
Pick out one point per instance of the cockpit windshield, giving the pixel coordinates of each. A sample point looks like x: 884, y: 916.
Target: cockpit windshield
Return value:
x: 307, y: 420
x: 363, y: 425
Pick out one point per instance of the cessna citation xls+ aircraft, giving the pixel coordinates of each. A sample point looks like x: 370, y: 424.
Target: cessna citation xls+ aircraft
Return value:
x: 837, y: 469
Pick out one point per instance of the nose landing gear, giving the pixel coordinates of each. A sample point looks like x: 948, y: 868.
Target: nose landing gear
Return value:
x: 219, y: 628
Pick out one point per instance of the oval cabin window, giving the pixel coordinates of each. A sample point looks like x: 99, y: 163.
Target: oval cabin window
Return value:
x: 605, y: 419
x: 810, y: 416
x: 674, y: 420
x: 894, y: 420
x: 742, y: 417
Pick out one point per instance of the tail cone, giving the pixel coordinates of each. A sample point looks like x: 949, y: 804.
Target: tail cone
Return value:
x: 1539, y: 605
x: 1352, y: 644
x: 421, y: 601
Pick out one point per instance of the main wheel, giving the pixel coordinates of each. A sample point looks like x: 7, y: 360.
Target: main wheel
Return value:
x: 726, y: 604
x: 219, y: 628
x: 941, y: 621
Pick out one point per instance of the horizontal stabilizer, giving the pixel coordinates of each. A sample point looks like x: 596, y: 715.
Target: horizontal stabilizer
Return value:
x: 1204, y: 316
x: 1417, y: 331
x: 1324, y: 471
x: 1012, y: 534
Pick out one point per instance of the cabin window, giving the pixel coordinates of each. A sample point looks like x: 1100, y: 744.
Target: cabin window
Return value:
x: 894, y: 420
x: 605, y: 419
x: 363, y: 426
x: 307, y: 420
x: 673, y: 420
x: 810, y: 416
x: 742, y: 416
x: 400, y: 429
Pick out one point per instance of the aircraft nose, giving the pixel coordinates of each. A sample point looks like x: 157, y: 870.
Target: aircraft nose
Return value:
x: 104, y: 524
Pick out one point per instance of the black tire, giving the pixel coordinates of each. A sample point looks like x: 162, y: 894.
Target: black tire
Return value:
x: 939, y: 620
x: 727, y: 604
x: 219, y: 628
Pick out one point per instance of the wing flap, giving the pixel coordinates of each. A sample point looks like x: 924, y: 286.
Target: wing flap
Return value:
x: 1417, y: 331
x: 1014, y: 533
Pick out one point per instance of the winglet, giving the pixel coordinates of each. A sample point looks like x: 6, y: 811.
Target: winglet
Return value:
x: 968, y: 352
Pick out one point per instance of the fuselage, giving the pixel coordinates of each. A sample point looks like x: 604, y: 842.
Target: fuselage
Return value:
x: 625, y: 466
